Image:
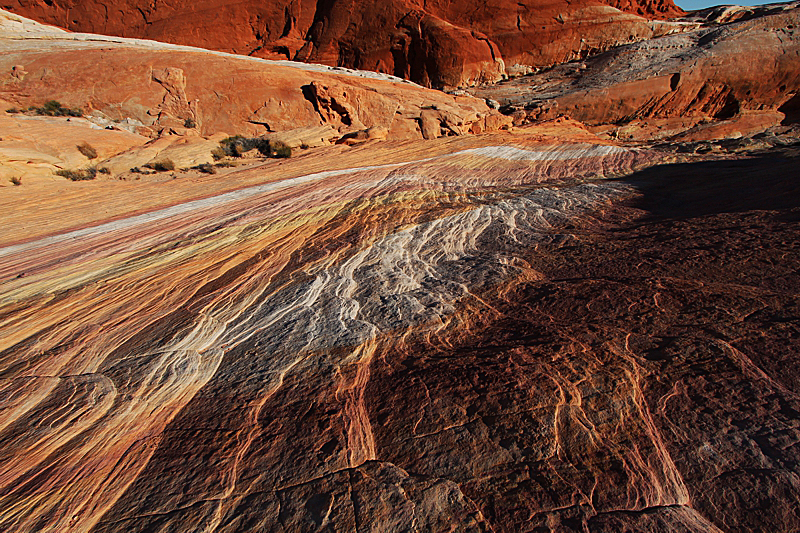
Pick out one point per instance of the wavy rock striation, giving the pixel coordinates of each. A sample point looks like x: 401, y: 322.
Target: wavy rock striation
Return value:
x: 483, y: 338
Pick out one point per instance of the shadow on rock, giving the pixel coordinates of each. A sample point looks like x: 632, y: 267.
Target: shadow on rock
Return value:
x: 687, y: 190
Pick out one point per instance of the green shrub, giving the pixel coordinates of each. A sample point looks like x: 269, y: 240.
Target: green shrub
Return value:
x: 280, y: 149
x: 83, y: 174
x: 87, y: 150
x: 12, y: 110
x: 233, y: 146
x: 15, y: 180
x: 164, y: 165
x: 189, y: 123
x: 104, y: 170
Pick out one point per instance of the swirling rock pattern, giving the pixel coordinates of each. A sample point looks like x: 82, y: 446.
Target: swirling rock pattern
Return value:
x: 488, y: 338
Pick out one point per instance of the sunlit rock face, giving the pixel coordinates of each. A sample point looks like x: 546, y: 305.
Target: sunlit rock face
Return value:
x: 442, y: 43
x: 486, y: 339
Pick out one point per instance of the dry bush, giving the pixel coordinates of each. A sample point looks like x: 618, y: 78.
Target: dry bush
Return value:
x: 165, y: 165
x: 53, y: 108
x: 87, y: 150
x: 83, y: 174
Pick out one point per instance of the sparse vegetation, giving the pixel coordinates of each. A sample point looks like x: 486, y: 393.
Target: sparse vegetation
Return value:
x: 13, y: 110
x: 15, y: 180
x: 224, y: 164
x: 87, y: 150
x: 53, y: 108
x: 238, y: 145
x: 104, y: 170
x: 189, y: 123
x: 165, y: 165
x: 84, y: 174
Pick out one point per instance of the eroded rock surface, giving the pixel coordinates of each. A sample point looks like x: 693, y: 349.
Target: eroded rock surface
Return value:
x: 473, y: 337
x: 537, y: 330
x: 169, y: 88
x: 442, y: 44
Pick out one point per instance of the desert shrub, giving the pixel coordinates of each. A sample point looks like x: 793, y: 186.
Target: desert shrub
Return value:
x: 218, y: 153
x: 224, y: 164
x: 53, y: 108
x: 87, y: 150
x: 233, y: 146
x: 237, y: 145
x: 104, y: 170
x: 280, y: 149
x: 13, y: 110
x: 206, y: 168
x: 83, y: 174
x: 164, y: 165
x: 189, y: 123
x: 15, y: 180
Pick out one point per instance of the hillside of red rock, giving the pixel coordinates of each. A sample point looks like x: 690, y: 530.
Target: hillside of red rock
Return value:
x: 156, y: 88
x: 725, y: 81
x: 446, y: 43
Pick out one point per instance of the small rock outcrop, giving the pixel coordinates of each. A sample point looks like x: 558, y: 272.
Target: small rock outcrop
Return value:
x: 175, y: 109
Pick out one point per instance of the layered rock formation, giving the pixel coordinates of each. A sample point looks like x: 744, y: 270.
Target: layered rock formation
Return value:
x: 731, y: 80
x: 440, y: 44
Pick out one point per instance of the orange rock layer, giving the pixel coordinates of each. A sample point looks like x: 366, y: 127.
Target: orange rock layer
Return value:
x: 164, y: 87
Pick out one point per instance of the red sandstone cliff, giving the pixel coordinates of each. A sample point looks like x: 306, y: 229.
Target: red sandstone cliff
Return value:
x: 441, y: 43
